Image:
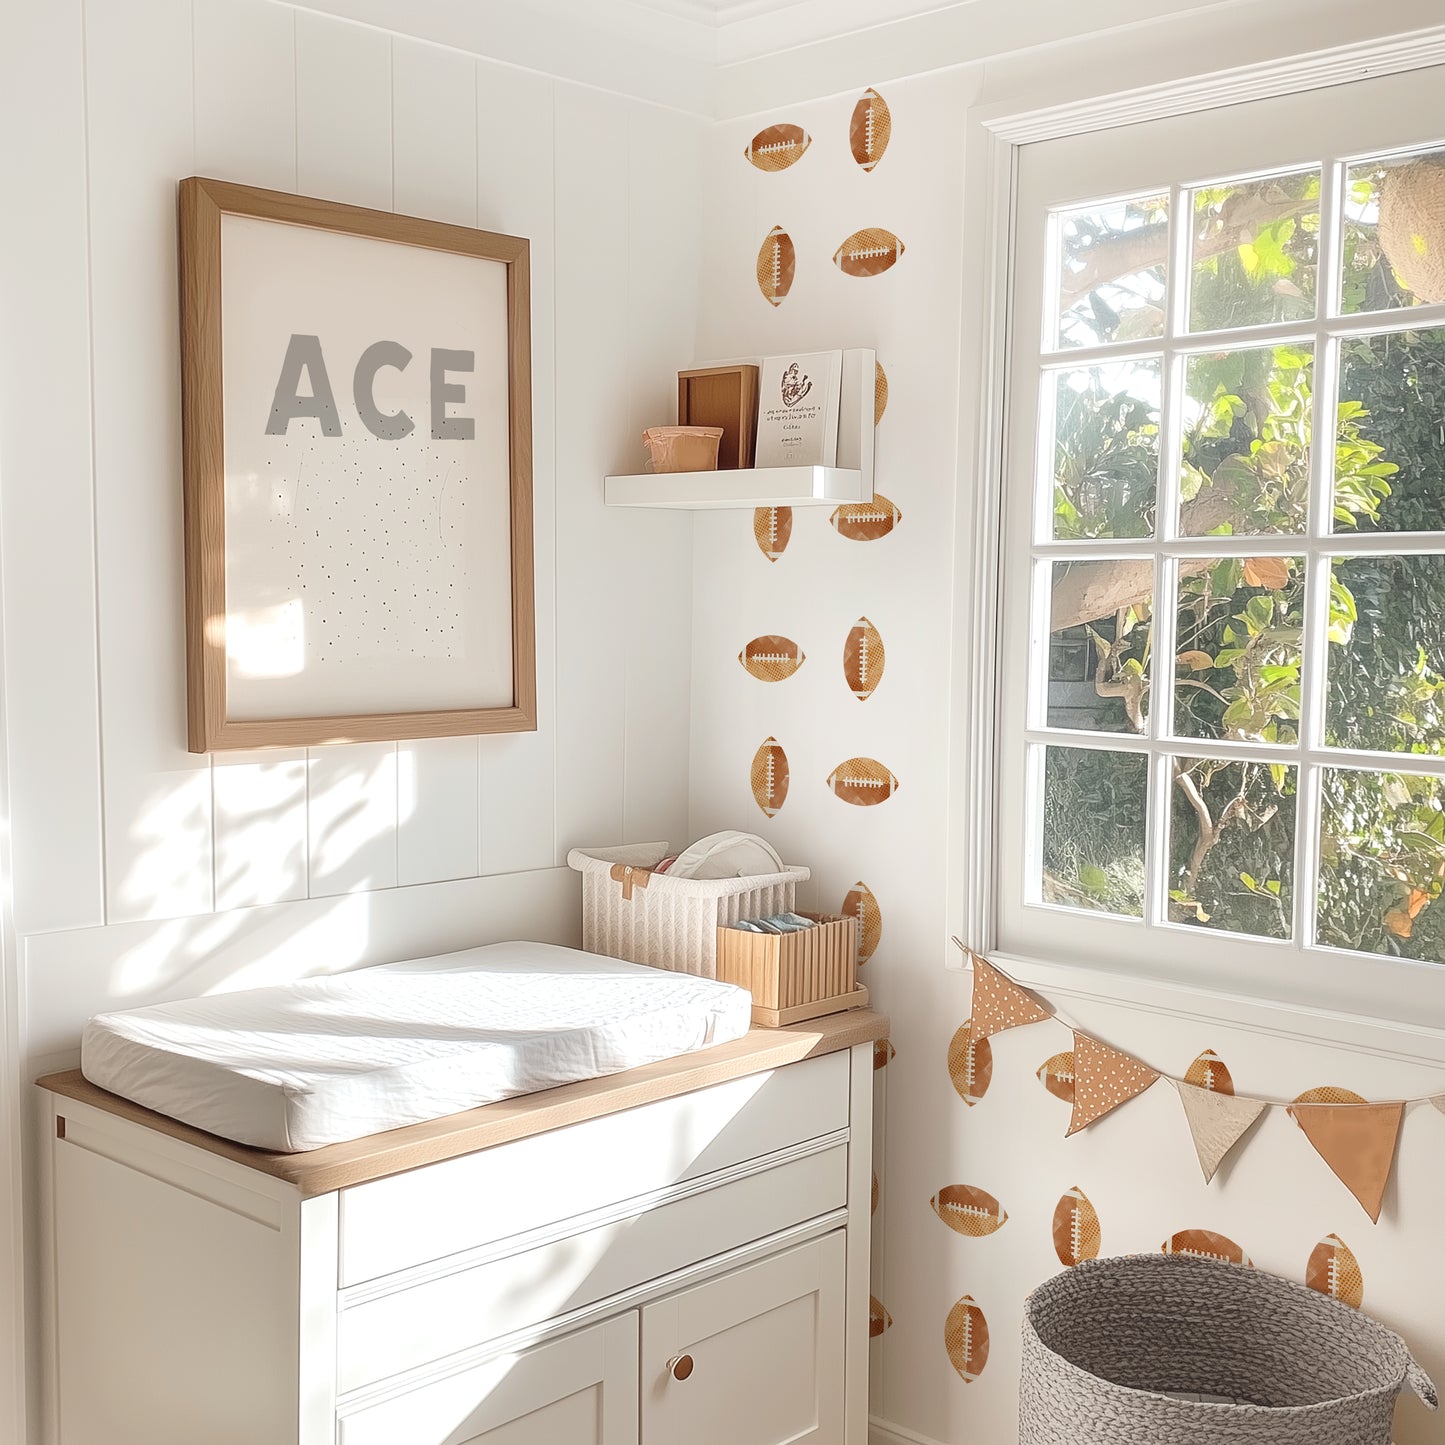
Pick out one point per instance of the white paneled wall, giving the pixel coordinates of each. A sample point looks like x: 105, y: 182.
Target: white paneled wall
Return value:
x: 116, y: 825
x: 142, y: 871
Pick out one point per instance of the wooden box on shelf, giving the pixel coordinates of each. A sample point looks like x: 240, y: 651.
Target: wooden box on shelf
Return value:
x: 725, y: 396
x: 794, y: 976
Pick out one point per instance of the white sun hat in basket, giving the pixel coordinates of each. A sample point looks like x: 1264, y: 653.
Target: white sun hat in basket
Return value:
x: 728, y: 855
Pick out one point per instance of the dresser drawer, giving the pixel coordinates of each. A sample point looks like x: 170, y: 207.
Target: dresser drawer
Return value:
x: 385, y: 1328
x: 462, y: 1204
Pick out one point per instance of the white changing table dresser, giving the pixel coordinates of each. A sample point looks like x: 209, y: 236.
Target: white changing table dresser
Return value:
x: 677, y: 1255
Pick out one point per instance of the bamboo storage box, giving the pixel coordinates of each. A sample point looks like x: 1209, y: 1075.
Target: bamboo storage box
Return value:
x: 794, y: 976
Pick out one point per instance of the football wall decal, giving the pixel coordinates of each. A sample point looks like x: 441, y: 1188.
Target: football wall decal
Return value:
x: 862, y: 905
x: 1209, y: 1072
x: 863, y: 659
x: 878, y: 1318
x: 772, y: 530
x: 967, y: 1210
x: 869, y: 252
x: 880, y: 392
x: 1076, y: 1228
x: 866, y: 521
x: 1205, y: 1244
x: 965, y: 1336
x: 970, y: 1064
x: 772, y: 658
x: 777, y: 261
x: 770, y: 777
x: 1056, y: 1074
x: 883, y: 1051
x: 777, y: 147
x: 1329, y: 1094
x: 1333, y: 1270
x: 863, y: 782
x: 870, y: 129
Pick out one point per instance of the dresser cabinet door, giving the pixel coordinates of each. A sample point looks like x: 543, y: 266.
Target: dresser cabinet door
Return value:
x: 753, y: 1358
x: 579, y: 1390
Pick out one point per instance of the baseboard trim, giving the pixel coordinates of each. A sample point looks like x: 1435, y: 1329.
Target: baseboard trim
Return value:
x: 883, y: 1432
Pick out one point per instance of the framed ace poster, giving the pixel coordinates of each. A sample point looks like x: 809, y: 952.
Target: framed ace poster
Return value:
x: 356, y: 399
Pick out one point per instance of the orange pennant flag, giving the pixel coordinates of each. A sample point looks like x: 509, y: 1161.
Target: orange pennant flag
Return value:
x: 1103, y: 1079
x: 999, y: 1003
x: 1358, y: 1142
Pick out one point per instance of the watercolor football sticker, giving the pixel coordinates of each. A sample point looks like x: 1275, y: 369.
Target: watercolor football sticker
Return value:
x: 970, y: 1064
x: 1076, y: 1228
x: 863, y: 782
x: 968, y: 1210
x: 870, y: 129
x: 965, y: 1336
x: 1205, y: 1244
x: 860, y: 904
x: 776, y: 147
x: 863, y: 659
x: 770, y: 776
x: 869, y: 252
x: 772, y: 658
x: 772, y: 530
x: 777, y: 261
x: 1333, y: 1270
x: 866, y: 521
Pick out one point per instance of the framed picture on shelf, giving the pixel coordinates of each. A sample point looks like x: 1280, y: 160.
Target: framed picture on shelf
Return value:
x: 727, y: 397
x: 356, y: 401
x: 798, y: 399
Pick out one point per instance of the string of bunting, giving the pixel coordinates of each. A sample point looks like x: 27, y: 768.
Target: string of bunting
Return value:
x: 1356, y: 1138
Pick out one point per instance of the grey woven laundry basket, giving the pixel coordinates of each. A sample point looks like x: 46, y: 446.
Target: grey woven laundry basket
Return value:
x: 1111, y: 1346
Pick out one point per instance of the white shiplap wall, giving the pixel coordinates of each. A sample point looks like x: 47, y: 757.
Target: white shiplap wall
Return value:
x: 140, y: 871
x: 117, y: 828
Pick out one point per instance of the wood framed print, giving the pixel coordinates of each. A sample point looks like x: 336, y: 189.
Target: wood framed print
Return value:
x: 725, y: 396
x: 356, y: 400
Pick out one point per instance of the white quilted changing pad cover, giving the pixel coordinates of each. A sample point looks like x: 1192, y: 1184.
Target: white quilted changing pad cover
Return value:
x: 326, y: 1059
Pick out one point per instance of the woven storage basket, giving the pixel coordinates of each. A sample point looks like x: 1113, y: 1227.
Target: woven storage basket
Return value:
x: 1110, y: 1345
x: 668, y: 922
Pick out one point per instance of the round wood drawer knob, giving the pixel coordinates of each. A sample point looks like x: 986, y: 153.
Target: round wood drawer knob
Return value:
x: 680, y: 1367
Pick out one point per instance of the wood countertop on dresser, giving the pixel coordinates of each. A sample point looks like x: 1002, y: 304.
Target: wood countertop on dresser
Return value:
x: 357, y: 1161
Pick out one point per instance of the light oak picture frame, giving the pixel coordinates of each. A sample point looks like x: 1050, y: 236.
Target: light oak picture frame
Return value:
x: 409, y: 623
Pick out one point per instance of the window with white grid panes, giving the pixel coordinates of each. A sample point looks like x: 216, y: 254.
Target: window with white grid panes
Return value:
x: 1236, y: 684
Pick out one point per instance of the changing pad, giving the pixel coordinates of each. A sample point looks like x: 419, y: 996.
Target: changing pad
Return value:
x: 326, y: 1059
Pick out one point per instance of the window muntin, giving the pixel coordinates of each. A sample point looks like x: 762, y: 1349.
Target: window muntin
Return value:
x: 1250, y: 598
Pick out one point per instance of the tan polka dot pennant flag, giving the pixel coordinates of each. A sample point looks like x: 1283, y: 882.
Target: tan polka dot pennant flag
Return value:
x: 999, y: 1003
x: 1103, y: 1079
x: 1217, y: 1122
x: 1439, y: 1102
x: 1358, y: 1142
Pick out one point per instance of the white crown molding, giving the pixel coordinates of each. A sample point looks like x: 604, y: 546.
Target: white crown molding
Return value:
x: 660, y: 51
x: 1358, y: 60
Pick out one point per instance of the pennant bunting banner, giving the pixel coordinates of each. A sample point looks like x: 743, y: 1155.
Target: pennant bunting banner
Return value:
x: 999, y: 1003
x: 1103, y: 1079
x: 1358, y: 1142
x: 1217, y: 1122
x: 1356, y: 1138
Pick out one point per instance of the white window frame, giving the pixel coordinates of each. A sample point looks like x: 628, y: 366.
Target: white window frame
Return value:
x: 1374, y: 998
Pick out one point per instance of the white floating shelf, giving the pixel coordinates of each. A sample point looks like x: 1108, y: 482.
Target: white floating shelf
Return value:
x: 850, y: 481
x: 747, y: 487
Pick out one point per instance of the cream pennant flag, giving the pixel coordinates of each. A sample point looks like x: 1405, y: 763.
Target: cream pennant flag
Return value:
x: 1217, y: 1122
x: 1103, y: 1079
x: 1439, y: 1102
x: 1358, y: 1142
x: 999, y: 1003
